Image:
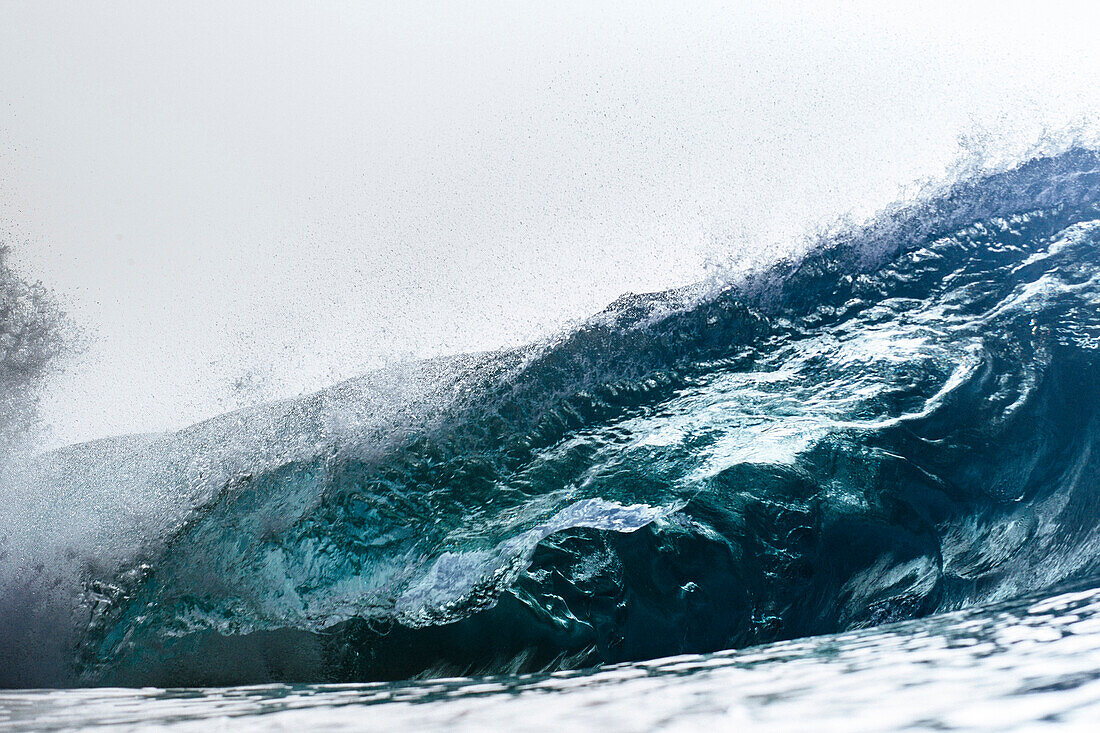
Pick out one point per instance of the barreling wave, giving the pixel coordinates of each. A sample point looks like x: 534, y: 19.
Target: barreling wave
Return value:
x: 900, y: 422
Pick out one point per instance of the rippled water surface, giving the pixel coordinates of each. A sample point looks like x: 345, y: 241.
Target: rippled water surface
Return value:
x: 1017, y: 666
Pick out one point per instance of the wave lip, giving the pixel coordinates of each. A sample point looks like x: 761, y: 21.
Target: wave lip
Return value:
x: 900, y: 422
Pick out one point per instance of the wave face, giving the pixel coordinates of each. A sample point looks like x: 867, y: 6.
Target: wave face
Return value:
x: 903, y: 421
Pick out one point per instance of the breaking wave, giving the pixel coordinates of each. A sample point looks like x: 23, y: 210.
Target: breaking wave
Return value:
x: 900, y: 422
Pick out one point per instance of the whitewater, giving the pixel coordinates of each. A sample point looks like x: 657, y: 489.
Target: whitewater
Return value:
x: 867, y: 472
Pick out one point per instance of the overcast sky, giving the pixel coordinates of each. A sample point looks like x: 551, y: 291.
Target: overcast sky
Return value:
x: 240, y: 201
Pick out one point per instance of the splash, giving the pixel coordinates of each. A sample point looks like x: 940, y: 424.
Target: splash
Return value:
x: 31, y: 338
x: 33, y: 334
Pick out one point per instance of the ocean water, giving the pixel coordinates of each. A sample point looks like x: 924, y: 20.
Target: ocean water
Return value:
x: 848, y: 489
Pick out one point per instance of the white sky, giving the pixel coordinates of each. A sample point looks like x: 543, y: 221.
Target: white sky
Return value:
x: 292, y: 193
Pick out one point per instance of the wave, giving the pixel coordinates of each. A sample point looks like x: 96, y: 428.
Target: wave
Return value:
x: 900, y: 422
